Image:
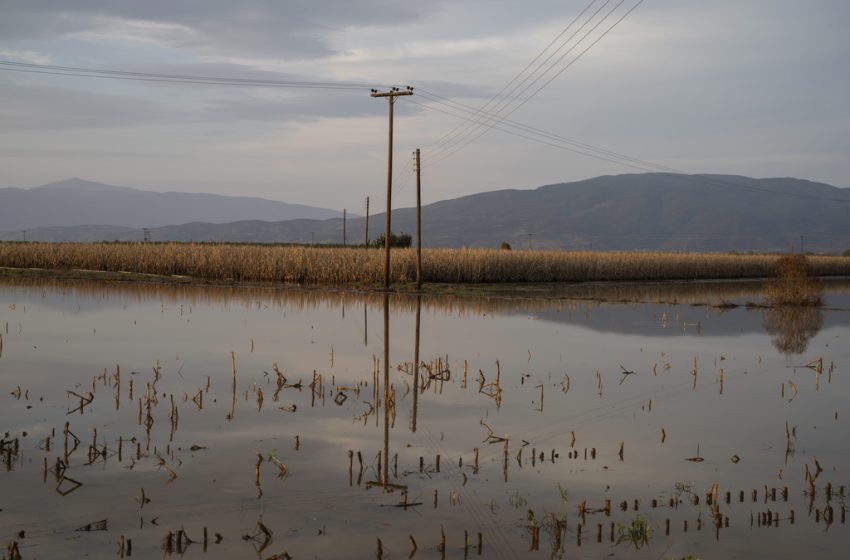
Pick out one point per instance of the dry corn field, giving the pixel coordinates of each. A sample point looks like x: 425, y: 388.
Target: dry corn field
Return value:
x: 339, y: 266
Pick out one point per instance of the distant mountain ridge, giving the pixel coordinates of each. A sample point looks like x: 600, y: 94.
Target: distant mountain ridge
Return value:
x: 650, y: 211
x: 76, y: 202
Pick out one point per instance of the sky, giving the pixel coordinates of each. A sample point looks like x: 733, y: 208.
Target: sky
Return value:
x: 756, y: 87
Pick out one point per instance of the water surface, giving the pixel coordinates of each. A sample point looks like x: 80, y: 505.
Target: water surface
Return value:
x: 549, y: 391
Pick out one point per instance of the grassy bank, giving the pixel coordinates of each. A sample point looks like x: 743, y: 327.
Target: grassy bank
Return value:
x: 361, y: 266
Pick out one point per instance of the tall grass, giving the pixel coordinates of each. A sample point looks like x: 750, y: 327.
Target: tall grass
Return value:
x: 340, y: 266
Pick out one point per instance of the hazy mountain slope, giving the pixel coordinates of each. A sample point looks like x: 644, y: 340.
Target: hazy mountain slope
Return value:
x: 652, y: 211
x: 624, y: 212
x: 77, y: 202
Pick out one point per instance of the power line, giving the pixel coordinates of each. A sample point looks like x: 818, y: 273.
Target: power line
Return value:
x: 521, y: 72
x: 536, y: 131
x: 500, y: 118
x: 26, y: 67
x: 506, y: 102
x: 405, y: 180
x: 531, y: 138
x: 560, y: 142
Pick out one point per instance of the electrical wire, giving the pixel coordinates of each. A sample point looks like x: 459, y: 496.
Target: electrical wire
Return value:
x: 435, y: 98
x: 501, y: 118
x: 588, y: 150
x: 173, y: 78
x: 533, y: 139
x: 521, y: 72
x: 511, y: 97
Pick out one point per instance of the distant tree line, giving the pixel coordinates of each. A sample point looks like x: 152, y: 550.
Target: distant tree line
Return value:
x: 400, y: 240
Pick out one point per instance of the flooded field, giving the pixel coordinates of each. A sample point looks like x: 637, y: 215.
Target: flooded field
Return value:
x: 149, y: 421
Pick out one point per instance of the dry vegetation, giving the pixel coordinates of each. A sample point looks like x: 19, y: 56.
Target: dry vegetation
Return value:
x: 795, y: 283
x: 339, y: 266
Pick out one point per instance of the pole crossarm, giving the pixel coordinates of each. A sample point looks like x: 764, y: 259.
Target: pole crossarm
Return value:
x: 394, y: 92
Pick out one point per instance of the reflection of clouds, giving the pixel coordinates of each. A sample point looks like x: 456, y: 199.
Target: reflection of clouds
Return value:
x: 792, y: 327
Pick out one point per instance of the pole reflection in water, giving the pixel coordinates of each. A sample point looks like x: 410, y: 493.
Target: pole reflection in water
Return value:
x: 416, y: 364
x: 385, y: 466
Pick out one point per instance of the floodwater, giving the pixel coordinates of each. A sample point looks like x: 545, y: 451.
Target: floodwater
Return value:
x: 148, y: 421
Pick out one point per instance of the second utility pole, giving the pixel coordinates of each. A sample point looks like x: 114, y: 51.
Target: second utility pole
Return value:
x: 391, y: 97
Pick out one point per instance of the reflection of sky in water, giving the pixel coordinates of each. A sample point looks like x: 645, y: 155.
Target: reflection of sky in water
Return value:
x: 59, y: 338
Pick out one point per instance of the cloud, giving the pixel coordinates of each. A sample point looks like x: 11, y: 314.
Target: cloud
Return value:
x: 37, y: 107
x: 32, y: 57
x: 293, y: 28
x: 756, y: 88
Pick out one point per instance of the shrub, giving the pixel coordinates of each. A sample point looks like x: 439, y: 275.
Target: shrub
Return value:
x: 505, y: 246
x: 794, y: 283
x: 401, y: 240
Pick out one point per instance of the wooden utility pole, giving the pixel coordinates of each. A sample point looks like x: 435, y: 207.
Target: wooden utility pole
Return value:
x: 418, y: 221
x: 343, y: 227
x: 367, y: 221
x: 391, y: 97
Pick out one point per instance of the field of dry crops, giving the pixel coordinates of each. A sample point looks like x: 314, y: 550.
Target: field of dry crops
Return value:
x: 340, y: 266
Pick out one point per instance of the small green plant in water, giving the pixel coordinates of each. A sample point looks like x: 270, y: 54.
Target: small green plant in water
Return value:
x: 684, y: 488
x: 636, y: 533
x: 565, y: 494
x: 517, y: 500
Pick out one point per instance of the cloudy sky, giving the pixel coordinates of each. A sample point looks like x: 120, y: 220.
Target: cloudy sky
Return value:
x: 754, y: 87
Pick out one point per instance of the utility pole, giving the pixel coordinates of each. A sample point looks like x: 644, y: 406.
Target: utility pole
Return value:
x: 25, y: 236
x: 343, y: 227
x: 367, y: 221
x: 418, y: 167
x: 391, y: 97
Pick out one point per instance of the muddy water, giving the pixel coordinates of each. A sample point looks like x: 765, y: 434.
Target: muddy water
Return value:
x: 586, y: 416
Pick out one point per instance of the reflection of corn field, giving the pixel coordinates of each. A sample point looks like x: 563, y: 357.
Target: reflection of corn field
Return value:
x: 336, y: 266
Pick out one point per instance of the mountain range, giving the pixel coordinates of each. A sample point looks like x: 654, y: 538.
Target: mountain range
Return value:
x: 75, y: 202
x: 649, y: 211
